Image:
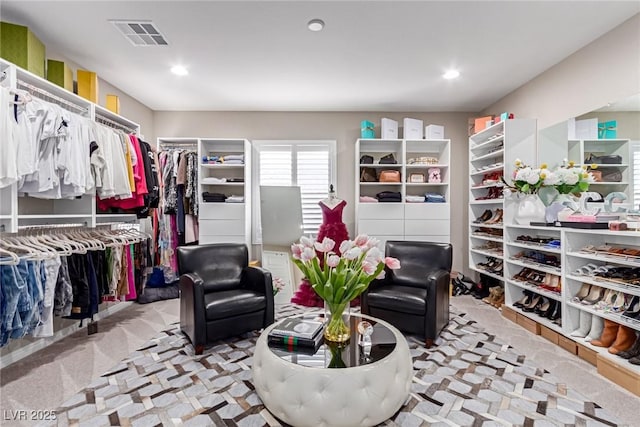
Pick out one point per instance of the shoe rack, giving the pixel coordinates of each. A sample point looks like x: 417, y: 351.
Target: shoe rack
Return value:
x: 599, y: 295
x: 492, y: 154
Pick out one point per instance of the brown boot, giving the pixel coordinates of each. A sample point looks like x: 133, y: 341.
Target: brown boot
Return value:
x: 625, y: 339
x: 609, y: 334
x: 492, y: 295
x: 499, y: 299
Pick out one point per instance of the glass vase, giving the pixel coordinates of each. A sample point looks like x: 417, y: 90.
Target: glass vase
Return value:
x: 337, y: 328
x: 529, y: 209
x: 561, y: 202
x: 335, y: 349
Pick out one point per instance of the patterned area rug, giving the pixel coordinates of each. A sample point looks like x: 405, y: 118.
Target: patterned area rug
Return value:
x: 468, y: 379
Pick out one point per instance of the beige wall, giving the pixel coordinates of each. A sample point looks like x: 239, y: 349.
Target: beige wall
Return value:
x: 606, y: 70
x: 130, y: 108
x: 344, y: 127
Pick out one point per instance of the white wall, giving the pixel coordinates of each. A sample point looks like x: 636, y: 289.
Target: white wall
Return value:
x: 606, y: 70
x: 344, y: 127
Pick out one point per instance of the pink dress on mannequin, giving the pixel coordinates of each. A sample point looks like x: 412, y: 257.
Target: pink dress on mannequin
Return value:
x: 333, y: 228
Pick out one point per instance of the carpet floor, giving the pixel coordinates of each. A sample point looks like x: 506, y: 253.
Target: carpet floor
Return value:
x: 468, y: 379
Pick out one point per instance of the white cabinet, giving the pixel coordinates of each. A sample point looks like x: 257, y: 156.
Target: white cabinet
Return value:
x: 225, y: 167
x: 403, y: 219
x: 492, y: 155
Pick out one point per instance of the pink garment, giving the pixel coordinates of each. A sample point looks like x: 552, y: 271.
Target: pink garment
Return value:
x: 333, y: 228
x: 174, y: 242
x: 132, y: 295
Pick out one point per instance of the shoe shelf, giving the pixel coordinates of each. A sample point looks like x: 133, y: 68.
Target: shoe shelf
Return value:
x: 487, y: 273
x: 609, y: 259
x: 497, y: 154
x: 491, y: 169
x: 534, y: 247
x: 488, y: 144
x: 499, y: 226
x: 487, y: 202
x: 535, y: 266
x: 486, y: 237
x: 497, y: 255
x: 614, y: 317
x: 531, y: 287
x: 617, y: 286
x: 481, y: 187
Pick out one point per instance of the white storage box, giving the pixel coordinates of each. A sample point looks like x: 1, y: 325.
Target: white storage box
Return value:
x: 434, y: 132
x: 389, y: 129
x: 413, y: 128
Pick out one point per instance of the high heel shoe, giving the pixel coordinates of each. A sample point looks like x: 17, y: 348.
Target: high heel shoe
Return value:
x: 496, y: 218
x: 582, y: 293
x: 634, y: 351
x: 594, y: 296
x: 542, y: 307
x: 532, y: 305
x: 624, y: 340
x: 486, y: 215
x: 609, y: 334
x: 633, y: 311
x: 585, y: 325
x: 597, y: 325
x: 525, y: 300
x: 556, y: 313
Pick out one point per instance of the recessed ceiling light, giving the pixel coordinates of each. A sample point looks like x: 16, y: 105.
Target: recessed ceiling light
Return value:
x: 316, y: 25
x: 179, y: 70
x: 451, y: 74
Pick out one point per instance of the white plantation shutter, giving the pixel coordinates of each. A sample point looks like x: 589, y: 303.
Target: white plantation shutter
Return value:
x: 306, y: 164
x: 313, y: 179
x: 635, y: 161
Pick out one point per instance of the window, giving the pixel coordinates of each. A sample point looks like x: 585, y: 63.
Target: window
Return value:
x: 635, y: 170
x: 307, y: 164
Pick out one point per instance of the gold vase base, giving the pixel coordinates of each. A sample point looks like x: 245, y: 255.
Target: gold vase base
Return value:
x: 342, y: 338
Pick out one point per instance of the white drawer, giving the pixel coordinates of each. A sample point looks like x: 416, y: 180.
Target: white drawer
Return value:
x: 222, y: 211
x: 221, y: 227
x: 380, y: 210
x: 435, y: 239
x: 204, y: 240
x: 384, y: 227
x: 427, y: 211
x: 424, y: 227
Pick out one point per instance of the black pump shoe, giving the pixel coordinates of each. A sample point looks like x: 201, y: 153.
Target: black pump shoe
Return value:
x: 526, y: 300
x: 633, y: 311
x: 556, y: 313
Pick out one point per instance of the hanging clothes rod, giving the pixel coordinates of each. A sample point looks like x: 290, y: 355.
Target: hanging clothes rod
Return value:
x: 51, y: 226
x: 60, y: 101
x: 111, y: 123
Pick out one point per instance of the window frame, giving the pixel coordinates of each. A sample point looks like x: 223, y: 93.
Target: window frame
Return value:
x: 295, y: 145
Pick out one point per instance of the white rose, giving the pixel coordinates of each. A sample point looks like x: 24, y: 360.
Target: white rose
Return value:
x: 522, y: 174
x: 550, y: 178
x: 533, y: 178
x: 571, y: 179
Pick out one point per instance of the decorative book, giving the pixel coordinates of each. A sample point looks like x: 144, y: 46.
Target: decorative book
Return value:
x: 298, y: 327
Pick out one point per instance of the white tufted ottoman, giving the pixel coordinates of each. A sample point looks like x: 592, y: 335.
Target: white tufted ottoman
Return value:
x: 321, y: 397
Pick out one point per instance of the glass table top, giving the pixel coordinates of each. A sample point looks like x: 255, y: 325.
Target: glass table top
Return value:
x: 370, y: 342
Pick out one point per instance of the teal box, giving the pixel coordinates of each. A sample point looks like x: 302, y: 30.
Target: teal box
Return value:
x: 367, y: 129
x: 608, y: 130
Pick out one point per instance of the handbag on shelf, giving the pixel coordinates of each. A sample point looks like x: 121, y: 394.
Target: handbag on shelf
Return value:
x: 366, y: 160
x: 389, y: 176
x: 597, y: 175
x: 610, y: 159
x: 416, y: 177
x: 611, y: 175
x: 389, y: 159
x: 368, y: 175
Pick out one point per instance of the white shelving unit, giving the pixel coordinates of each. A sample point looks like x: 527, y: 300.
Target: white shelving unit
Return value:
x: 225, y: 222
x: 492, y: 153
x: 404, y: 220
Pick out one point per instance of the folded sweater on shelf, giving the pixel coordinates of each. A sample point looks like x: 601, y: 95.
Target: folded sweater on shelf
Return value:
x: 389, y: 196
x: 213, y: 197
x: 368, y: 199
x: 415, y: 199
x: 235, y: 199
x: 213, y: 180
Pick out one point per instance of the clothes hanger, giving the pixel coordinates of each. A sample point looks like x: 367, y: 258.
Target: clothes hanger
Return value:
x: 29, y: 253
x: 13, y: 258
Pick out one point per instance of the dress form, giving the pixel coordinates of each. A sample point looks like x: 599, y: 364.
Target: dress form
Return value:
x: 333, y: 228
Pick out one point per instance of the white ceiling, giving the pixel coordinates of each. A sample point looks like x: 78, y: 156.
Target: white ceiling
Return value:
x: 372, y: 55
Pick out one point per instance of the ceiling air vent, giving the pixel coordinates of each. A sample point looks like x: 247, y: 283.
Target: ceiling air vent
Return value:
x: 140, y: 33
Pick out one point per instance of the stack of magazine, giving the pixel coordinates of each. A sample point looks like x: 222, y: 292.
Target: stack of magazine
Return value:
x: 297, y: 332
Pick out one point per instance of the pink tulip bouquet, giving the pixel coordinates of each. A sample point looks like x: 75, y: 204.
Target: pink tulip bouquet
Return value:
x: 338, y: 279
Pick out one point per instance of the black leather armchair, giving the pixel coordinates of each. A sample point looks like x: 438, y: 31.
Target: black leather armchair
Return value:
x: 220, y: 295
x: 414, y: 298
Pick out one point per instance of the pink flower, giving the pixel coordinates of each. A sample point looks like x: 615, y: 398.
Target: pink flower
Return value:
x: 374, y: 255
x: 369, y: 267
x: 353, y: 253
x: 381, y: 275
x: 392, y: 263
x: 372, y: 242
x: 306, y: 242
x: 345, y: 246
x: 333, y: 261
x: 308, y: 254
x: 296, y: 250
x: 361, y: 240
x: 325, y: 246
